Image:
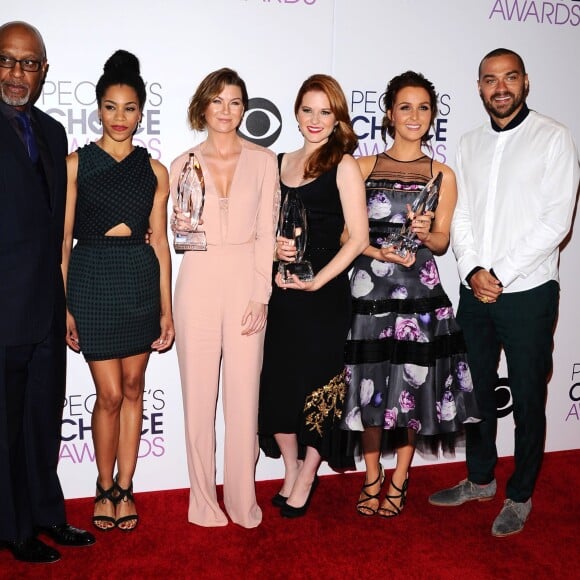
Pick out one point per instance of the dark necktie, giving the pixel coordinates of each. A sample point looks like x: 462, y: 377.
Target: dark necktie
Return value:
x: 29, y: 138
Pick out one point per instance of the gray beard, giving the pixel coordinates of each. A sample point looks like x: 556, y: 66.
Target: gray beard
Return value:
x: 14, y: 102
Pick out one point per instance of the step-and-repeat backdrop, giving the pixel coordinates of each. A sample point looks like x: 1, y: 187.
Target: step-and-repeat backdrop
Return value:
x: 275, y: 45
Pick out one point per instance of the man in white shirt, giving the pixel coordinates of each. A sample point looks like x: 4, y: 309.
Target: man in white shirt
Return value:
x: 517, y: 185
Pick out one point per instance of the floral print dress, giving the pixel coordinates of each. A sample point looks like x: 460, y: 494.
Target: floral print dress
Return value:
x: 406, y: 365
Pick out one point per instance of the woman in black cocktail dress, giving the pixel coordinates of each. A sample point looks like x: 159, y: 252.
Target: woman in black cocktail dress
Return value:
x: 302, y: 384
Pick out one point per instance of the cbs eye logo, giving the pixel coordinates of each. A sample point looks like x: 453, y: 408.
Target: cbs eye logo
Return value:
x: 503, y: 398
x: 262, y: 123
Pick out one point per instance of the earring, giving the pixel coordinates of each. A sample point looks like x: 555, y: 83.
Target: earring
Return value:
x: 100, y: 121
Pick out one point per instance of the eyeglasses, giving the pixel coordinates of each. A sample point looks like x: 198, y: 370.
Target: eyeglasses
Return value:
x: 26, y: 64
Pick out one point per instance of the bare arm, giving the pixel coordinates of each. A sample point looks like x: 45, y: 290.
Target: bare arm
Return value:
x: 353, y: 201
x: 72, y: 164
x: 160, y: 245
x: 433, y: 229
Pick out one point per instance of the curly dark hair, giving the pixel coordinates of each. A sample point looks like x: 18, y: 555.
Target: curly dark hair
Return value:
x: 402, y: 81
x: 122, y: 68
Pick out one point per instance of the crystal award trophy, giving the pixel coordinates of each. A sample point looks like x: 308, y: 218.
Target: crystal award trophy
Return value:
x: 405, y: 240
x: 294, y: 227
x: 190, y: 200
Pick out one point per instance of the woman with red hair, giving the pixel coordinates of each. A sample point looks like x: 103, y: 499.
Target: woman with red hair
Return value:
x: 302, y: 384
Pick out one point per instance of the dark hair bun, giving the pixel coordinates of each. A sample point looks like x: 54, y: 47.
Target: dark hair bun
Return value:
x: 122, y: 60
x: 122, y: 68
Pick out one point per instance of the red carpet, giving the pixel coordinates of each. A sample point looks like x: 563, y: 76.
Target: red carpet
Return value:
x: 332, y: 541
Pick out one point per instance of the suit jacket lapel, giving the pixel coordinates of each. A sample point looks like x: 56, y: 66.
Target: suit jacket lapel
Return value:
x: 11, y: 141
x: 42, y: 133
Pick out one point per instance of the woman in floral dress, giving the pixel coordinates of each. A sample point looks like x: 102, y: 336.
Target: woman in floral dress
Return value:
x: 406, y: 368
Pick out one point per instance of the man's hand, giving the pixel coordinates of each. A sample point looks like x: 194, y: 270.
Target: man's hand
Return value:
x: 486, y: 287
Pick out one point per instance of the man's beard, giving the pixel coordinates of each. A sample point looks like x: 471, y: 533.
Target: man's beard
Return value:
x: 504, y: 113
x: 14, y: 102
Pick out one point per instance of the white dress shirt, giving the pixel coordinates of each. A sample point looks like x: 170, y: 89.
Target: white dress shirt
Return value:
x: 516, y: 195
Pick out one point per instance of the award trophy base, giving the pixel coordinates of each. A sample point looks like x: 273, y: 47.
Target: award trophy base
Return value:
x: 188, y: 241
x: 301, y: 269
x: 403, y: 245
x: 405, y: 241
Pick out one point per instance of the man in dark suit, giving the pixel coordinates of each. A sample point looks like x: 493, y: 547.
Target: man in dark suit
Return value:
x: 33, y: 148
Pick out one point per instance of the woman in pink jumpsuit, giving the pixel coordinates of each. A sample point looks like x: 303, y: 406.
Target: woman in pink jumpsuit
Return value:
x: 221, y: 300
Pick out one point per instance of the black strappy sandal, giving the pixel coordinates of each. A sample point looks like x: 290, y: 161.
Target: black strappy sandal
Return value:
x: 386, y: 512
x: 125, y: 495
x: 361, y: 508
x: 103, y: 496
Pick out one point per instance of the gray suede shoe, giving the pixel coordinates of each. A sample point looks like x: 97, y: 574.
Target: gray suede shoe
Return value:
x: 463, y: 492
x: 511, y: 518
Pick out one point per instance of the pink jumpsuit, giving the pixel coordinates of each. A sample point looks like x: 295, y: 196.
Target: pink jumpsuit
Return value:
x: 212, y: 292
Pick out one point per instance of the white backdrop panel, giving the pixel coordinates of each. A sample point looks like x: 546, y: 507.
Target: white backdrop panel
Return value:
x: 275, y: 45
x: 445, y: 41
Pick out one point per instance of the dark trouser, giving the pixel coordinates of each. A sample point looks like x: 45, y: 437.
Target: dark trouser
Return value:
x: 32, y: 390
x: 522, y: 323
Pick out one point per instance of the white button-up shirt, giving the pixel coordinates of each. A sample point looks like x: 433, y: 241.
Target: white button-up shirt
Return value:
x: 516, y: 195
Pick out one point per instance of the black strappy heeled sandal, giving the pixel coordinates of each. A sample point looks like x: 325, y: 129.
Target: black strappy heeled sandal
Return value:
x: 125, y: 495
x: 104, y: 495
x: 386, y: 512
x: 361, y: 508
